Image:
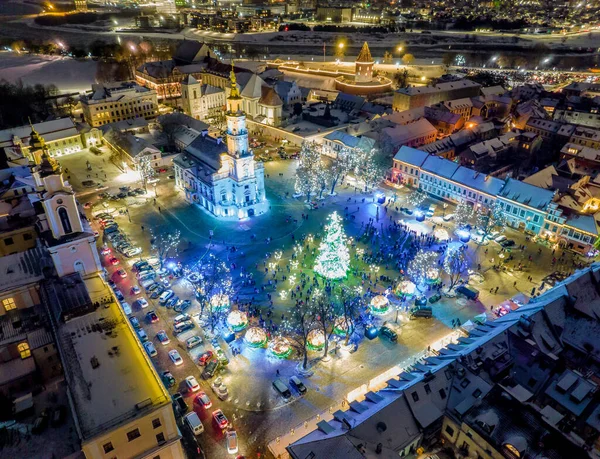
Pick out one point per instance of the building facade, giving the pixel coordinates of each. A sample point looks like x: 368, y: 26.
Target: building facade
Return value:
x: 223, y: 177
x: 201, y: 101
x: 117, y: 102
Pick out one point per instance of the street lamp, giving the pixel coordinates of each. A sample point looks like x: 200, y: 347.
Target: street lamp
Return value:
x: 341, y: 45
x: 400, y: 49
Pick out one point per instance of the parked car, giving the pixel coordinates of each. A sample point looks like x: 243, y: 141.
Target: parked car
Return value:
x: 181, y: 318
x: 142, y: 335
x: 183, y: 326
x: 210, y: 369
x: 135, y: 290
x: 113, y: 261
x: 193, y: 422
x: 469, y: 292
x: 179, y: 403
x: 280, y: 387
x: 126, y: 308
x: 202, y: 400
x: 205, y: 358
x: 183, y: 306
x: 105, y: 251
x: 141, y: 303
x: 163, y: 338
x: 168, y: 379
x: 192, y: 384
x: 421, y: 311
x: 448, y: 217
x: 297, y: 384
x: 193, y: 341
x: 175, y: 357
x: 151, y: 317
x: 435, y: 298
x: 220, y: 419
x: 388, y: 333
x: 134, y: 322
x: 150, y: 349
x: 165, y: 296
x: 232, y: 442
x: 172, y: 302
x: 119, y: 294
x: 507, y: 243
x: 500, y: 238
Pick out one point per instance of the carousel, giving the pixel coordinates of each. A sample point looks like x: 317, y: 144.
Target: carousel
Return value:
x: 342, y: 327
x: 380, y: 305
x: 220, y: 301
x: 256, y: 337
x: 432, y: 276
x: 406, y: 288
x: 237, y: 320
x: 280, y: 347
x: 316, y: 340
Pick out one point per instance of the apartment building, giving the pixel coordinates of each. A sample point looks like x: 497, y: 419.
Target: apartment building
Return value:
x: 420, y: 96
x: 110, y: 103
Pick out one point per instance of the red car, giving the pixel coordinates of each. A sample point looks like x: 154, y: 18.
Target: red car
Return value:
x: 205, y: 358
x: 113, y: 261
x: 203, y: 400
x: 152, y: 317
x: 122, y: 273
x: 220, y: 419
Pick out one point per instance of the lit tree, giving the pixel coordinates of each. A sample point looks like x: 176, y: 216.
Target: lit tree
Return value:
x: 309, y: 167
x: 408, y: 59
x: 455, y: 264
x: 463, y: 213
x: 322, y: 180
x: 146, y: 170
x: 348, y: 306
x: 371, y: 166
x: 297, y: 326
x: 214, y: 283
x: 340, y: 167
x: 333, y: 259
x: 416, y: 198
x: 490, y: 218
x: 420, y: 266
x: 165, y: 244
x: 324, y: 316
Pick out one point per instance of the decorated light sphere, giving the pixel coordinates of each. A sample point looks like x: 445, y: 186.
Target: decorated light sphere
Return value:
x: 237, y: 320
x: 280, y: 347
x: 406, y: 288
x: 342, y: 327
x: 256, y: 337
x: 380, y: 304
x: 316, y: 339
x: 433, y: 275
x: 219, y: 301
x: 441, y: 234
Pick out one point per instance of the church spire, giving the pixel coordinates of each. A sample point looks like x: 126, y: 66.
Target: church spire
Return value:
x: 41, y: 154
x: 234, y: 94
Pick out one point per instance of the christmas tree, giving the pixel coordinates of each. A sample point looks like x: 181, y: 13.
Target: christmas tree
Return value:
x: 334, y: 258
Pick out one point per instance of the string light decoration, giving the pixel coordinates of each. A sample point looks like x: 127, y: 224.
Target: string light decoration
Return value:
x: 283, y: 294
x: 342, y: 327
x: 463, y: 213
x: 334, y: 259
x: 220, y: 301
x: 489, y: 219
x: 406, y: 288
x: 455, y: 265
x: 419, y: 268
x: 380, y: 305
x: 416, y: 198
x: 237, y: 320
x: 280, y: 347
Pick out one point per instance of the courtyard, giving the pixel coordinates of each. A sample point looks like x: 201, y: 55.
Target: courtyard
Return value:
x: 259, y: 251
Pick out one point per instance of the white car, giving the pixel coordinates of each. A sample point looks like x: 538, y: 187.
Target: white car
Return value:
x: 448, y: 217
x: 126, y: 308
x: 175, y: 357
x: 232, y: 442
x: 150, y: 349
x: 142, y: 302
x: 192, y: 384
x: 500, y: 238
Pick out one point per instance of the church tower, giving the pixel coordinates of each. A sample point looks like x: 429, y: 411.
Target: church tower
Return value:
x: 363, y: 67
x: 237, y: 134
x: 71, y: 242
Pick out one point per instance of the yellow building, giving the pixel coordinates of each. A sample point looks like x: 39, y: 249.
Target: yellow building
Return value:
x: 117, y: 102
x: 120, y: 406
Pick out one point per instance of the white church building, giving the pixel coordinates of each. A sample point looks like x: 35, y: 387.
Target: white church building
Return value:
x: 222, y: 176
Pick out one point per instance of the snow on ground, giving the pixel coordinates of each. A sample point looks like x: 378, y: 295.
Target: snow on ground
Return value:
x: 69, y: 75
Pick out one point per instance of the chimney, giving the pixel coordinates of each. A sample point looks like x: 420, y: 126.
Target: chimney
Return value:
x: 204, y: 132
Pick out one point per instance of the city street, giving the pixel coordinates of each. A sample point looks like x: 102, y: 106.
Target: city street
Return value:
x: 254, y: 408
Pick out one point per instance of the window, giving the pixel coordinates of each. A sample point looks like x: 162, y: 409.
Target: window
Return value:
x: 9, y: 304
x: 442, y: 394
x: 415, y: 396
x: 24, y: 350
x: 135, y: 433
x: 160, y: 438
x: 156, y: 423
x: 450, y: 431
x: 427, y: 389
x: 464, y: 383
x: 64, y: 219
x: 108, y: 447
x: 476, y: 393
x: 532, y: 382
x: 9, y: 241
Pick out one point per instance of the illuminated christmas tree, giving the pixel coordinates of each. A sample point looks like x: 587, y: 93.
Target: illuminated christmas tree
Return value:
x: 334, y: 258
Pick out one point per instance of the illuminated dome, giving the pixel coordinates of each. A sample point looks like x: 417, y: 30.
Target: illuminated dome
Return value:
x: 219, y: 301
x: 380, y: 304
x: 280, y: 347
x: 342, y: 327
x: 256, y: 337
x: 441, y: 234
x: 316, y: 339
x: 406, y: 288
x: 433, y: 275
x: 237, y: 320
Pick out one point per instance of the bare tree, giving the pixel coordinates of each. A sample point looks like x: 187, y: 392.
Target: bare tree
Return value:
x: 341, y: 166
x: 165, y: 244
x: 490, y: 218
x: 214, y: 288
x: 170, y: 124
x: 455, y: 265
x: 348, y: 307
x: 298, y: 326
x: 324, y: 317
